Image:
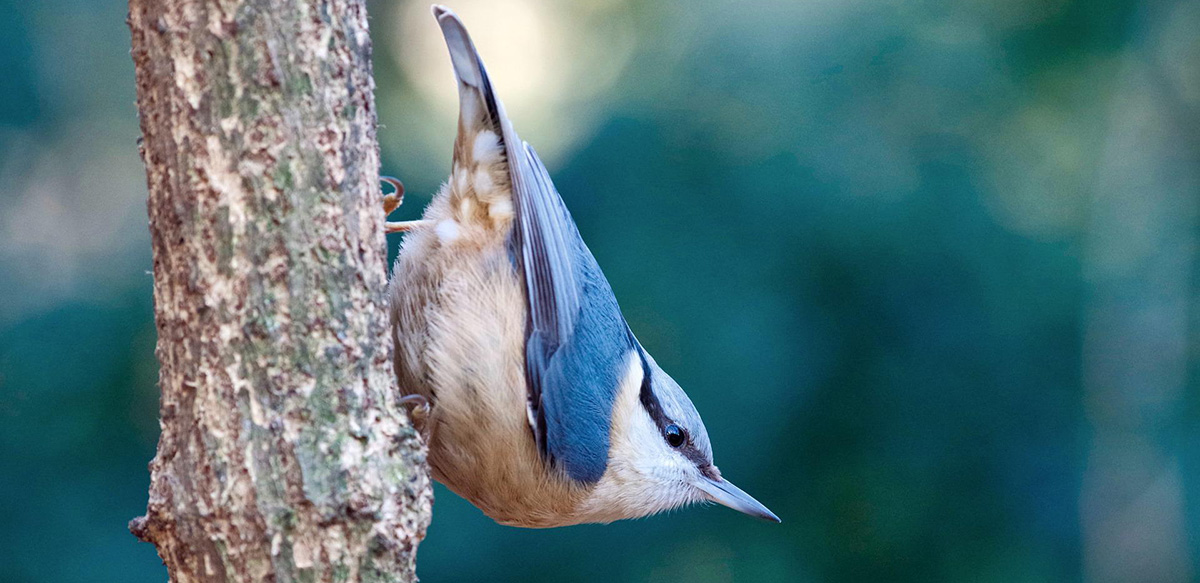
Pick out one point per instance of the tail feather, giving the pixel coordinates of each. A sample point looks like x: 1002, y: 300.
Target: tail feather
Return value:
x: 479, y: 189
x: 474, y: 87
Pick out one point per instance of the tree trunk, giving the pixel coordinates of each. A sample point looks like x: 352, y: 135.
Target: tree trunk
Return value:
x: 284, y: 455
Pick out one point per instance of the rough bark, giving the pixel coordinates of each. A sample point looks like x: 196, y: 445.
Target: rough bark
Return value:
x: 283, y: 454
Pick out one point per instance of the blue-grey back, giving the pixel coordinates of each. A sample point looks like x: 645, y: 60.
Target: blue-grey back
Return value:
x: 577, y: 380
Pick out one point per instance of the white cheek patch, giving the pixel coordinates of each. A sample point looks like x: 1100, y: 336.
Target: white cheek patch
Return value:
x: 486, y: 148
x: 447, y: 231
x: 644, y: 474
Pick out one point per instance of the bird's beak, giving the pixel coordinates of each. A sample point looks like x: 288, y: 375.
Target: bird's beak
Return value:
x: 722, y: 492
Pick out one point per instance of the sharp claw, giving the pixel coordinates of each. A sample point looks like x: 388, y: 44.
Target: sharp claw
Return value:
x: 394, y: 183
x: 420, y: 405
x: 393, y: 200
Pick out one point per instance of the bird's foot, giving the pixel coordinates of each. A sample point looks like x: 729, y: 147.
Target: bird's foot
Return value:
x: 420, y: 406
x: 393, y: 201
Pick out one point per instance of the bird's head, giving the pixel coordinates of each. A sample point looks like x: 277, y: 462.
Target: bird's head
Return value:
x: 660, y: 456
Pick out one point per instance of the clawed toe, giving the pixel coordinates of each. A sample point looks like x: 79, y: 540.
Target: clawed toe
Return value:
x: 419, y: 404
x: 392, y: 201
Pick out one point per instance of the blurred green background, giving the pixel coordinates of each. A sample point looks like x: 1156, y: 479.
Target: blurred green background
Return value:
x: 930, y: 270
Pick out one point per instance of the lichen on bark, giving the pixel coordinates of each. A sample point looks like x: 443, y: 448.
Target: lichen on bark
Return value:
x: 283, y: 454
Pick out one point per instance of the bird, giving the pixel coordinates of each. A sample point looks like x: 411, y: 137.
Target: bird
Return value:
x: 538, y: 404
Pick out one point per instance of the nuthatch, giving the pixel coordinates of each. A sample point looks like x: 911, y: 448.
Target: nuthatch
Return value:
x: 543, y: 408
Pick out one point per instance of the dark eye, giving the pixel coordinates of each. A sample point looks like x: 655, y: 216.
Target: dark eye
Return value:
x: 675, y: 435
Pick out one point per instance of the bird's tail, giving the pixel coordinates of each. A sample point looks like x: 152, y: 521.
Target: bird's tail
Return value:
x: 480, y: 159
x: 474, y: 88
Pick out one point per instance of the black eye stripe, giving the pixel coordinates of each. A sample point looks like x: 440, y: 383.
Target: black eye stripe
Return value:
x: 650, y: 401
x: 675, y: 435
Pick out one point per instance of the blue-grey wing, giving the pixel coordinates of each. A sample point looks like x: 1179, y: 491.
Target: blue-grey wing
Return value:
x: 576, y: 337
x: 544, y: 241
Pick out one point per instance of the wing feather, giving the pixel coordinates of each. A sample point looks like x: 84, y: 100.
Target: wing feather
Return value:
x: 576, y: 340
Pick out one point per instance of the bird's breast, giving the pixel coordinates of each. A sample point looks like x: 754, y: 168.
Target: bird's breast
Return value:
x: 458, y: 311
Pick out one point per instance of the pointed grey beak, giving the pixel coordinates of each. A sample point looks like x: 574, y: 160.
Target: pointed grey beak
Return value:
x: 722, y: 492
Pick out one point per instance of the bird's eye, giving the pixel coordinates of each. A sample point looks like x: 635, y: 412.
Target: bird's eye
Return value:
x: 675, y: 435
